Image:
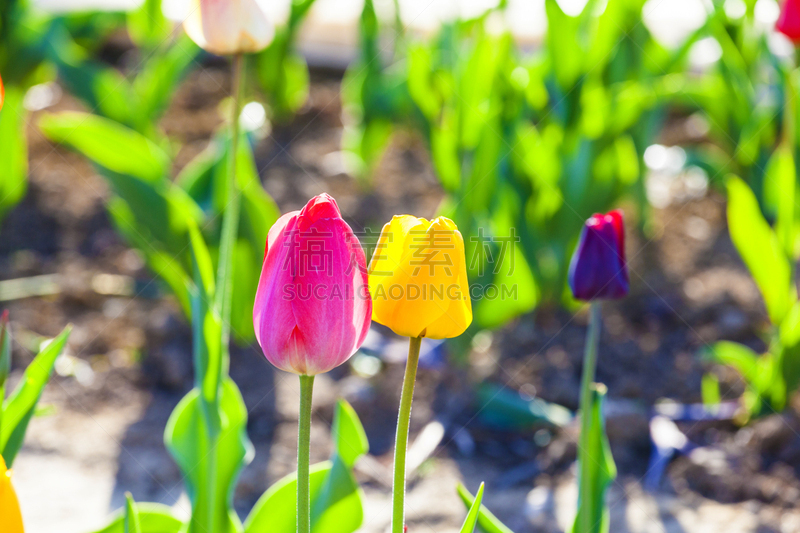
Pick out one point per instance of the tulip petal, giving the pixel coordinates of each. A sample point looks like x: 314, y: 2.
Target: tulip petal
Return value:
x: 10, y: 515
x: 598, y: 268
x: 418, y: 263
x: 789, y: 20
x: 226, y: 27
x: 273, y: 315
x: 458, y: 316
x: 312, y: 308
x: 330, y: 287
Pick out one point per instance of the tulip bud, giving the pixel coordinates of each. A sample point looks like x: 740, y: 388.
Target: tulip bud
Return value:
x: 2, y: 93
x: 312, y: 308
x: 598, y: 268
x: 226, y: 27
x: 418, y: 278
x: 10, y: 515
x: 5, y: 350
x: 789, y: 20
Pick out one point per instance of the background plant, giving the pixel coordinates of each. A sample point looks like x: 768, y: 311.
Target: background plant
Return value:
x: 527, y: 147
x: 17, y: 410
x: 124, y: 141
x: 26, y: 35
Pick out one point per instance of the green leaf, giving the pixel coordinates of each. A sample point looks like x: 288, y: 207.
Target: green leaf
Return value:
x: 131, y: 519
x: 210, y: 445
x: 760, y: 249
x: 472, y: 517
x: 740, y: 357
x: 20, y: 406
x: 108, y: 144
x: 563, y: 47
x: 780, y: 180
x: 161, y: 74
x: 153, y: 518
x: 275, y: 511
x: 348, y: 434
x: 336, y: 498
x: 597, y: 469
x: 709, y: 388
x: 505, y: 408
x: 104, y: 89
x: 487, y: 522
x: 147, y: 25
x: 13, y: 150
x: 789, y: 351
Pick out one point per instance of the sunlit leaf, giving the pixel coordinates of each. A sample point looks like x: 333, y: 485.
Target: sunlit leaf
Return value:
x: 153, y: 518
x: 760, y: 249
x: 487, y: 522
x: 472, y: 516
x: 21, y: 405
x: 596, y: 469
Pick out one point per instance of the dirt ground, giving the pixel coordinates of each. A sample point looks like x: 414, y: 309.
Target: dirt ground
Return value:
x: 128, y: 361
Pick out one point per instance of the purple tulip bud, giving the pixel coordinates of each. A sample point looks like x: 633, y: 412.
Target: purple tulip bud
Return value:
x: 312, y: 308
x: 598, y: 269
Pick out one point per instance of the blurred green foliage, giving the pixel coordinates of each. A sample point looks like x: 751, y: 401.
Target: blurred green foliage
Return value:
x: 773, y: 376
x: 527, y: 145
x: 17, y: 410
x: 156, y: 215
x: 26, y: 35
x: 123, y: 139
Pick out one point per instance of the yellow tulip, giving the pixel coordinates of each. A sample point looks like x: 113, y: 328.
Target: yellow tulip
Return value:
x: 418, y: 278
x: 9, y: 506
x: 226, y: 27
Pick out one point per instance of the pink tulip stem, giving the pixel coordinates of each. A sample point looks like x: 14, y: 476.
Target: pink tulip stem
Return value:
x: 230, y: 221
x: 584, y: 462
x: 401, y: 441
x: 303, y: 455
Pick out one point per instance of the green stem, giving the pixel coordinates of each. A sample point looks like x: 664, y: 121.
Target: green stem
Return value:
x: 401, y: 441
x: 230, y: 221
x: 589, y: 364
x: 303, y: 455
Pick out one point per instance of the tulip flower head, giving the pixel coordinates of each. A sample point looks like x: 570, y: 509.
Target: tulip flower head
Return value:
x: 598, y: 269
x: 789, y: 20
x: 312, y: 308
x: 2, y: 93
x: 10, y: 516
x: 418, y: 278
x: 226, y: 27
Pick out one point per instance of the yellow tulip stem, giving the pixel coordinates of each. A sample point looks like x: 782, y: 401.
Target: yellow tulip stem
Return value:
x: 584, y: 462
x: 401, y: 441
x: 303, y: 455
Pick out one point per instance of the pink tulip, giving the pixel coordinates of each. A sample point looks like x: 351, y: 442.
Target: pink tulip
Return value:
x: 226, y: 27
x: 789, y: 20
x: 312, y: 308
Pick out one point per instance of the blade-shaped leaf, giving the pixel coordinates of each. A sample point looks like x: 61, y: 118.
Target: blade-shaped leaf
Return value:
x: 760, y: 249
x: 153, y: 518
x: 597, y: 469
x: 147, y: 25
x: 20, y: 406
x: 472, y: 516
x: 348, y: 434
x: 13, y: 150
x: 161, y: 74
x: 779, y: 194
x: 487, y: 522
x: 210, y: 447
x: 336, y: 498
x: 131, y: 518
x: 108, y: 144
